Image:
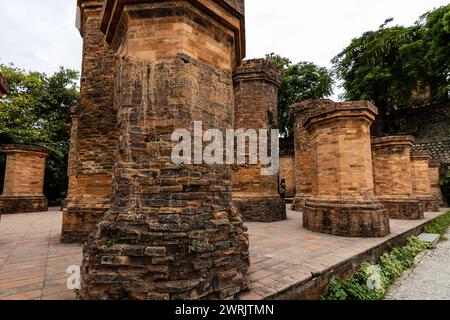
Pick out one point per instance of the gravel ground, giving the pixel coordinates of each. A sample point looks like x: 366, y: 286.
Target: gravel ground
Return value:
x: 430, y: 278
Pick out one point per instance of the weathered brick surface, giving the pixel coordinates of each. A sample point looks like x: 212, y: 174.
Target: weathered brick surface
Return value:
x: 287, y: 173
x: 302, y: 144
x: 421, y: 180
x: 430, y: 125
x: 171, y: 232
x: 435, y: 168
x: 256, y: 84
x: 24, y: 179
x: 393, y: 177
x: 96, y: 134
x: 343, y: 201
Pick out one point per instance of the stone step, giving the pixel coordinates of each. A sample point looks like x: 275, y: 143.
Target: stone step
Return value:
x: 430, y: 238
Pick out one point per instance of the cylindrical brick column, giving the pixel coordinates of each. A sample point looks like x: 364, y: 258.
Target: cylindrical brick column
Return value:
x: 256, y: 84
x: 435, y: 180
x: 172, y: 232
x: 23, y: 190
x: 96, y: 136
x: 302, y: 146
x: 421, y: 180
x: 343, y: 201
x: 393, y: 178
x: 287, y: 173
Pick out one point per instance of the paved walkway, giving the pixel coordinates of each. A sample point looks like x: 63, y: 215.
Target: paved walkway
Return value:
x: 33, y: 262
x: 430, y: 279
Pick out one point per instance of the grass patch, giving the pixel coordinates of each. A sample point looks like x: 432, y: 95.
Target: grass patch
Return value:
x: 372, y: 281
x: 439, y: 225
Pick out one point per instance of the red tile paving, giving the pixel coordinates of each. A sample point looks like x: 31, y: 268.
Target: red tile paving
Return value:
x: 33, y: 262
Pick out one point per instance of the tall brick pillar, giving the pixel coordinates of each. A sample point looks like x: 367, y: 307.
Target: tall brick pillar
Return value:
x: 435, y: 179
x: 96, y: 136
x: 421, y: 180
x: 287, y: 173
x: 256, y: 84
x: 23, y: 190
x: 171, y: 232
x: 343, y: 201
x: 303, y: 166
x: 393, y: 178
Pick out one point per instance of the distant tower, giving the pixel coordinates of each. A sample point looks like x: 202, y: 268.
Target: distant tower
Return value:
x: 256, y: 84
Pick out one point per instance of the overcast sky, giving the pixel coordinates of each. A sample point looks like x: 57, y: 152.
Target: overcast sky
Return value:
x: 40, y: 34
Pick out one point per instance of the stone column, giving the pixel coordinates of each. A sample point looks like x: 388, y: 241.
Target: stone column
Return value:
x: 302, y: 145
x: 96, y: 138
x: 23, y: 190
x: 287, y: 173
x: 343, y: 201
x: 256, y: 84
x: 421, y: 180
x: 393, y: 178
x: 435, y: 179
x: 171, y: 232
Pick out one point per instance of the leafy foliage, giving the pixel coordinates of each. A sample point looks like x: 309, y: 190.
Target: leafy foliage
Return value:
x: 302, y: 81
x: 439, y: 225
x: 35, y: 111
x: 398, y: 67
x: 389, y: 268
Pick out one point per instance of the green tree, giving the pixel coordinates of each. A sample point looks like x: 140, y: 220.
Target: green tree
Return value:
x: 302, y: 81
x: 436, y: 31
x: 35, y: 111
x: 398, y: 67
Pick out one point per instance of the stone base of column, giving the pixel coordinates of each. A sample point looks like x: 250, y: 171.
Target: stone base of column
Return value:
x: 299, y: 203
x: 11, y: 205
x: 430, y: 204
x: 346, y: 219
x: 260, y: 208
x: 409, y: 209
x: 79, y: 221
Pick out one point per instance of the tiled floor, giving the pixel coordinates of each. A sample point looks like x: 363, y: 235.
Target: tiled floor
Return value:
x: 33, y: 262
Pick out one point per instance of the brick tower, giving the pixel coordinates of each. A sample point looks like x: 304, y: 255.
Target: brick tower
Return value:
x: 421, y: 180
x: 343, y: 201
x: 393, y: 177
x: 171, y: 232
x: 435, y: 177
x: 96, y: 135
x: 302, y: 144
x: 23, y: 190
x: 256, y: 84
